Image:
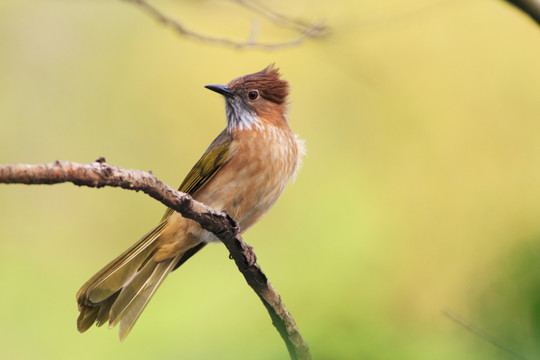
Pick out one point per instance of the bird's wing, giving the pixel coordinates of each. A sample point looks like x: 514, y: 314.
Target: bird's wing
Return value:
x: 217, y: 155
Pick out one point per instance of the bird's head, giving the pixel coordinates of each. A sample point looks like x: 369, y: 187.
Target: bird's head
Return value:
x: 254, y: 100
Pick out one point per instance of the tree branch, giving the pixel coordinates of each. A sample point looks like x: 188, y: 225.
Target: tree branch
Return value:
x: 306, y: 31
x: 277, y: 18
x: 99, y: 174
x: 529, y: 7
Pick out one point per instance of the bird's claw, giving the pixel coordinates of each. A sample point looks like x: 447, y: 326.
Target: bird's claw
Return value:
x: 235, y: 227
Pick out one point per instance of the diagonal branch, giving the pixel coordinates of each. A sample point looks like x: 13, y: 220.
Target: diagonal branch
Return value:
x: 99, y: 174
x: 306, y: 31
x: 529, y: 7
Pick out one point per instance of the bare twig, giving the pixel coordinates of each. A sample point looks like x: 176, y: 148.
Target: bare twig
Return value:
x: 307, y: 31
x: 529, y: 7
x: 276, y: 17
x: 99, y: 174
x: 490, y: 339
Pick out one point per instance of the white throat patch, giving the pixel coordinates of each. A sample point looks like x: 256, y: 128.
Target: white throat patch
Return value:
x: 238, y: 117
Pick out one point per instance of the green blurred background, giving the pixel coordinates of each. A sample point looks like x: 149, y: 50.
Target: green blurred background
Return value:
x: 421, y: 190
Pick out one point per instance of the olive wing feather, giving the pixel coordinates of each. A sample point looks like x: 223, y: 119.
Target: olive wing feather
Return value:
x: 217, y: 155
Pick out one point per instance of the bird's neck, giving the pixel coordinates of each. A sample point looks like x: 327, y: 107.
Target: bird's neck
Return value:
x: 240, y: 118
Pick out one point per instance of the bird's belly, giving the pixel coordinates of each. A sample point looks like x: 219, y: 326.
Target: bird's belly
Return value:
x: 252, y: 181
x: 252, y: 202
x: 247, y: 196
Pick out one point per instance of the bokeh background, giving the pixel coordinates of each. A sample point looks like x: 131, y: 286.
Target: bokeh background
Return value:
x: 420, y: 193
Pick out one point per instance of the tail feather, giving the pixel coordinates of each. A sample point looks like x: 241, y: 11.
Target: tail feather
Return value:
x: 86, y: 318
x: 130, y: 291
x: 121, y: 290
x: 109, y: 279
x: 188, y: 254
x: 104, y: 309
x: 133, y: 310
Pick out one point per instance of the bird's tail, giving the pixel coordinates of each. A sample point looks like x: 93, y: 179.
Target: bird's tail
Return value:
x: 120, y: 291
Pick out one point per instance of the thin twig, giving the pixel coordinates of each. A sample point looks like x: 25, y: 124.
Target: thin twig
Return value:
x: 99, y: 174
x: 307, y: 32
x: 490, y: 339
x: 276, y: 17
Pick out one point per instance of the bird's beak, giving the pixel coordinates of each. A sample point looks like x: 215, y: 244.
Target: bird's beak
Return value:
x: 221, y: 89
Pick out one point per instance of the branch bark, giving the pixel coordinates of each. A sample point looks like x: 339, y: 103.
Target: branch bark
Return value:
x: 99, y: 174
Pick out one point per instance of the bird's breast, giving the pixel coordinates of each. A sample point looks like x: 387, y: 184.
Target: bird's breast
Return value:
x: 261, y: 165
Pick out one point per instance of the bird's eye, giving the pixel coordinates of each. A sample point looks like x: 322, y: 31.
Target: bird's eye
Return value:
x: 253, y: 95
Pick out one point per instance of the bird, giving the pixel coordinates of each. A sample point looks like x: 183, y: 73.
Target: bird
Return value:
x: 243, y: 171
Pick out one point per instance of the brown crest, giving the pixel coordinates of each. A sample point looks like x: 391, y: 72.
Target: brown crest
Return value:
x: 266, y: 81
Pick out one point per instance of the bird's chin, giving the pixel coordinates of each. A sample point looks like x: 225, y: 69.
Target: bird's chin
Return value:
x: 240, y: 118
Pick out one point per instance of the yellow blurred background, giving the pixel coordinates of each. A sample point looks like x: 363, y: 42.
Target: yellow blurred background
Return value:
x: 420, y: 192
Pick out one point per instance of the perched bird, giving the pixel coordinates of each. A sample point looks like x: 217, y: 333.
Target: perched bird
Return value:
x: 243, y: 171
